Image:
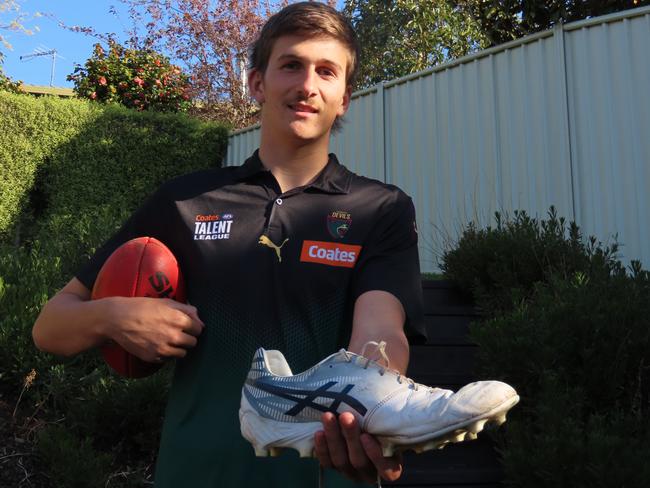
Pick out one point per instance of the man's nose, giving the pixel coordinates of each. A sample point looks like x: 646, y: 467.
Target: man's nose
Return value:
x: 308, y: 82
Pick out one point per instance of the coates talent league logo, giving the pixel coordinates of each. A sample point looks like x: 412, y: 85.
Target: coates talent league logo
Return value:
x: 338, y: 224
x: 212, y: 227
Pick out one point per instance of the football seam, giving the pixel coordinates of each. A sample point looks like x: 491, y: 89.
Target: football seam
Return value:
x: 139, y: 274
x: 129, y: 366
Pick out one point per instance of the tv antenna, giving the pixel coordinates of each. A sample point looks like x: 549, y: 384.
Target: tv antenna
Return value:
x: 44, y: 52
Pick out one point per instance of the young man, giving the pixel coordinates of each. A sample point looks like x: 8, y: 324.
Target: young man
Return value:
x: 315, y: 258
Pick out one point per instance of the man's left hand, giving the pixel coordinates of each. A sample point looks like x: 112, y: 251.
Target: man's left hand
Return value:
x: 342, y: 446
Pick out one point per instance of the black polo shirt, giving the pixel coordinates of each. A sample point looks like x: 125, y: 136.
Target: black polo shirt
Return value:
x: 266, y: 269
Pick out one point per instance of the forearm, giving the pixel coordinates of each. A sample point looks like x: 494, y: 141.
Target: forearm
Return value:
x: 68, y: 325
x: 397, y: 348
x: 379, y: 316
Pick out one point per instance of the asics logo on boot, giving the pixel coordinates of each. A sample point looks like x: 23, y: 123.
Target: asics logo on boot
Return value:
x: 305, y: 398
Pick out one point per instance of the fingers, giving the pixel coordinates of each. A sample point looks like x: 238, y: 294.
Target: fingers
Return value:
x: 389, y: 468
x: 195, y: 325
x: 356, y: 452
x: 335, y: 442
x: 183, y: 339
x: 153, y: 328
x: 322, y: 451
x: 173, y: 352
x: 338, y: 446
x: 342, y: 446
x: 190, y: 327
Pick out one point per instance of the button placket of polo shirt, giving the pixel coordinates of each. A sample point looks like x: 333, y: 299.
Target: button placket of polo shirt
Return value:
x: 274, y: 236
x: 274, y: 223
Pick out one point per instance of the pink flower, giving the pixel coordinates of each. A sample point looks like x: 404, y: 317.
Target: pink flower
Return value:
x: 102, y: 80
x: 138, y: 81
x: 93, y: 96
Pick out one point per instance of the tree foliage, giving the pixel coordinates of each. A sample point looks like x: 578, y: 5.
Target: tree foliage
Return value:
x: 13, y: 18
x: 503, y: 21
x: 399, y: 37
x: 138, y: 79
x: 211, y: 38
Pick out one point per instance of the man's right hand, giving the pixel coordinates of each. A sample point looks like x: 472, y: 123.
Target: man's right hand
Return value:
x: 153, y: 328
x: 149, y: 328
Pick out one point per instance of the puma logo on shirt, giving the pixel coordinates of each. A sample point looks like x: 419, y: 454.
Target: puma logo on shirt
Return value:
x: 265, y: 241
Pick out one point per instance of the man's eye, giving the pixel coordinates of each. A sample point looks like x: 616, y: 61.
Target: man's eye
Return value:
x: 291, y: 65
x: 327, y: 72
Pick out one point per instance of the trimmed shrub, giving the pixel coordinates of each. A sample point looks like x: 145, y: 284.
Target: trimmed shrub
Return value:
x: 30, y: 130
x: 72, y: 157
x: 72, y: 171
x: 569, y: 327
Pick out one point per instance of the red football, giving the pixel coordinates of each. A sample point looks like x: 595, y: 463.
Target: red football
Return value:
x: 141, y: 267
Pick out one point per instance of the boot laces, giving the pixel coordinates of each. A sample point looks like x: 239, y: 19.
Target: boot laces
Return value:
x: 380, y: 347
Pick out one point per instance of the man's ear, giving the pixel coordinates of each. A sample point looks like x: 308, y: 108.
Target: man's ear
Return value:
x: 256, y: 85
x: 345, y: 103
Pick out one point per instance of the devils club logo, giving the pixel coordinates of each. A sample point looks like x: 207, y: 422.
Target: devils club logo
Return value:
x: 338, y: 224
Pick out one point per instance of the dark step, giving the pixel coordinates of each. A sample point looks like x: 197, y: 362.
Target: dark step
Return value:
x: 448, y: 360
x: 463, y: 464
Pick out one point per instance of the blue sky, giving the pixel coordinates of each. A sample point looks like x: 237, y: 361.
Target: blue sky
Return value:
x: 72, y: 47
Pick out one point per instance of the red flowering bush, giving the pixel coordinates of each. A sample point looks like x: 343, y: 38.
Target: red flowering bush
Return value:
x: 143, y: 80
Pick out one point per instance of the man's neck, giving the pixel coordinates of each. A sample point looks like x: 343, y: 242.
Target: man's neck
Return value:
x: 294, y: 166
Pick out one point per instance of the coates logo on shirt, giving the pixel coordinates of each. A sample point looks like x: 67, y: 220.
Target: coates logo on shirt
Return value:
x: 212, y: 227
x: 330, y: 253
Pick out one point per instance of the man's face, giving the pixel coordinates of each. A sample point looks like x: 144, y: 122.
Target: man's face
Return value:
x: 304, y: 87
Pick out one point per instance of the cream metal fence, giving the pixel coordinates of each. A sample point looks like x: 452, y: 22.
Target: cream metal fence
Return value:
x: 561, y: 118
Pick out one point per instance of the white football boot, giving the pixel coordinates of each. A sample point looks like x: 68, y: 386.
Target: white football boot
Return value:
x: 283, y: 410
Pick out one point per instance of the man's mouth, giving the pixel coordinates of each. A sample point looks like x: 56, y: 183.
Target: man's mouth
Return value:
x: 302, y: 107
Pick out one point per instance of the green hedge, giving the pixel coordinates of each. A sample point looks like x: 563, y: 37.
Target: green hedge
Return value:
x: 73, y: 157
x: 72, y: 171
x: 569, y: 327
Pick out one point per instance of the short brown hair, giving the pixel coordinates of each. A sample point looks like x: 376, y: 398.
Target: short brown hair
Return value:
x: 310, y: 19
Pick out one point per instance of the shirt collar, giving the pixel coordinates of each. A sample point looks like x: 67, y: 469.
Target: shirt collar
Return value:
x: 334, y: 178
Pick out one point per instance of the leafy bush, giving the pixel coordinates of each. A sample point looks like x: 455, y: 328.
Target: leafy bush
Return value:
x: 72, y: 172
x: 7, y: 84
x: 58, y: 446
x: 138, y: 79
x: 30, y: 131
x: 509, y: 259
x: 569, y: 327
x: 76, y: 160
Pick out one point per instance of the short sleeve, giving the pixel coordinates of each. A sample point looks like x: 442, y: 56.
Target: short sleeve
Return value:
x: 146, y: 221
x: 389, y: 262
